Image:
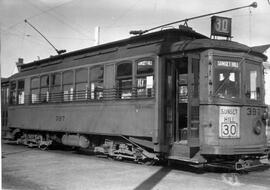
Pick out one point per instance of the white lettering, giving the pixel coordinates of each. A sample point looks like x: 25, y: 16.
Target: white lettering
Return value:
x: 228, y: 64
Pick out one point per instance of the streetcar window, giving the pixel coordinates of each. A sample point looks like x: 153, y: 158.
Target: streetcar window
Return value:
x: 96, y: 82
x: 253, y: 82
x: 81, y: 85
x: 21, y: 92
x: 55, y: 88
x: 124, y: 80
x: 68, y: 85
x: 145, y: 78
x: 226, y: 83
x: 254, y: 91
x: 35, y: 90
x: 13, y: 95
x: 44, y: 88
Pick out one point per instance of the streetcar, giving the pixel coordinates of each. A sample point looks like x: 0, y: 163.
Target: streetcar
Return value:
x: 172, y: 94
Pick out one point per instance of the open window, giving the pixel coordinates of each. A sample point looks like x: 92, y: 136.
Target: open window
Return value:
x: 124, y: 80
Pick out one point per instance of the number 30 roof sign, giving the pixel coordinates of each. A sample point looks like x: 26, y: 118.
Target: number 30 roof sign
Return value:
x: 221, y: 26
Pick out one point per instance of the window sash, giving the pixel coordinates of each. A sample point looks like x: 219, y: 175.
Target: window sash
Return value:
x: 96, y: 73
x: 124, y: 70
x: 145, y: 69
x: 35, y: 83
x: 81, y: 75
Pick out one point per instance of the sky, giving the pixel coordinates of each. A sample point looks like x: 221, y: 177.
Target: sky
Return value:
x: 70, y: 24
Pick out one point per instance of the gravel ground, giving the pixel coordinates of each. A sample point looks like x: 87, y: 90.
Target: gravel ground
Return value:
x: 31, y: 169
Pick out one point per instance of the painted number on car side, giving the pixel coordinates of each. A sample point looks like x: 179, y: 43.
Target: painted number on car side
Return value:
x: 253, y: 111
x: 60, y: 118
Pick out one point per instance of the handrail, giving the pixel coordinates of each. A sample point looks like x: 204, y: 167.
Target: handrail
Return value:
x: 128, y: 93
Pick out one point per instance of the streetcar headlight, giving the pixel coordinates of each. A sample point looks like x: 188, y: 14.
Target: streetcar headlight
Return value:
x: 257, y: 128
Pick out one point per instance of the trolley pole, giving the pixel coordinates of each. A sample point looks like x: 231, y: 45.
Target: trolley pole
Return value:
x: 58, y: 51
x: 140, y: 32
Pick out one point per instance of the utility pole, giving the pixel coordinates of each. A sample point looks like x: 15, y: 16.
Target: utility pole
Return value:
x: 97, y: 35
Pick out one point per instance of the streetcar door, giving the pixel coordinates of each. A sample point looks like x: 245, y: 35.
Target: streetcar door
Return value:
x: 181, y: 100
x: 176, y: 100
x: 182, y: 105
x: 186, y: 130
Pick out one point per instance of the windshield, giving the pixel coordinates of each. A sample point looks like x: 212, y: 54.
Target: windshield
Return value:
x: 226, y: 79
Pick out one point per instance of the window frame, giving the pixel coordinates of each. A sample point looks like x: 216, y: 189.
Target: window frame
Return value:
x: 55, y: 90
x: 146, y: 92
x: 79, y: 93
x: 13, y: 92
x: 68, y: 97
x: 21, y: 97
x: 47, y: 86
x: 129, y: 90
x: 96, y: 94
x: 37, y: 99
x: 238, y: 70
x: 248, y: 69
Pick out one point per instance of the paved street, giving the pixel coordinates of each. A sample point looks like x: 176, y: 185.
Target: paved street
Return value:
x: 25, y: 168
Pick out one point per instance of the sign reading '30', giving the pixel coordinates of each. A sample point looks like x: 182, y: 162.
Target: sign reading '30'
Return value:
x: 221, y: 26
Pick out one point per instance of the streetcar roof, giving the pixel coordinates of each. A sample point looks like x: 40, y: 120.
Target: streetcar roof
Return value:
x: 225, y: 45
x: 161, y: 42
x: 154, y: 36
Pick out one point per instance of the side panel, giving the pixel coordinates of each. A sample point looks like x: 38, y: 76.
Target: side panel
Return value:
x: 126, y: 118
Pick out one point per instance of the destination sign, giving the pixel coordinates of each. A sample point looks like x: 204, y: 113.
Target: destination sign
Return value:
x: 229, y: 123
x: 228, y: 63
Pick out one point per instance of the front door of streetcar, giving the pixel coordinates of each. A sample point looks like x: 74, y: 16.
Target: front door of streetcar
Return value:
x: 182, y: 103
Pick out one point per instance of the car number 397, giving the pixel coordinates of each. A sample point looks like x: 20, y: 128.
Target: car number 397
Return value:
x: 229, y: 130
x: 59, y: 118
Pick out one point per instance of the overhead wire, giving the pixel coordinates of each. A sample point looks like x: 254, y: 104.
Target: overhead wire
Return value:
x: 249, y: 26
x: 38, y: 14
x: 22, y: 37
x: 59, y: 19
x: 33, y: 39
x: 122, y: 15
